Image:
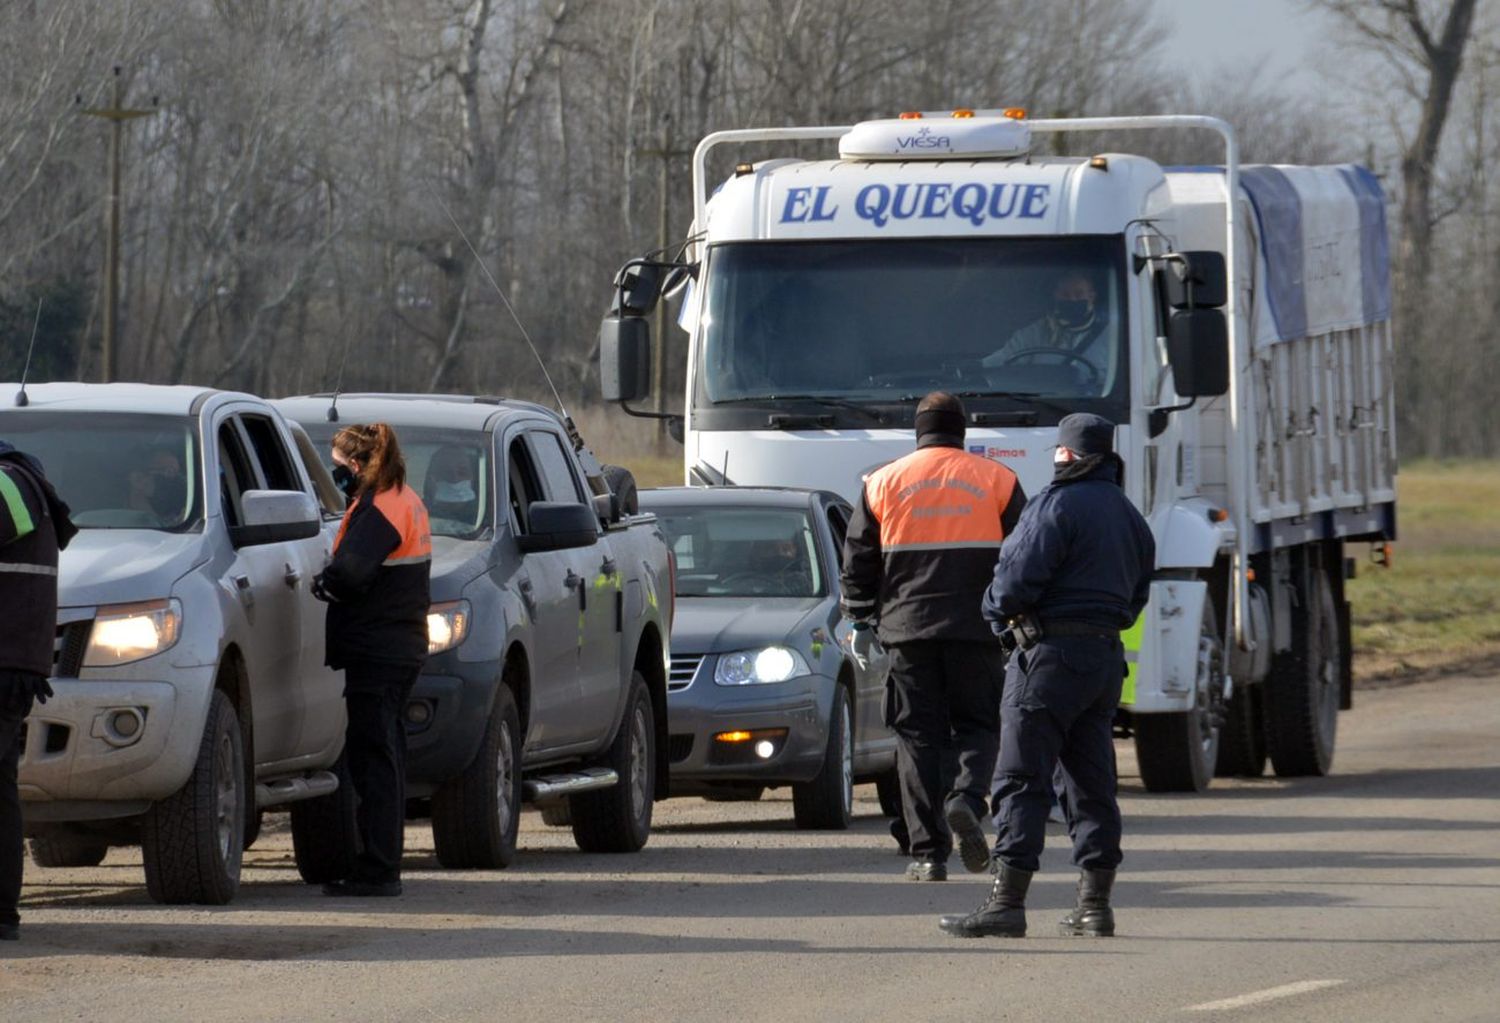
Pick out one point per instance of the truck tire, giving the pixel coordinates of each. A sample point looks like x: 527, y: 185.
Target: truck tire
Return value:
x: 618, y: 819
x: 67, y: 850
x: 1178, y: 752
x: 192, y: 841
x: 477, y: 815
x: 1302, y: 691
x: 827, y: 802
x: 888, y: 788
x: 622, y: 484
x: 325, y: 837
x: 1242, y: 741
x: 558, y: 814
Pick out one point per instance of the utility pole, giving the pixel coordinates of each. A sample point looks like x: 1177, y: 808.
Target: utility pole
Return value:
x: 116, y: 115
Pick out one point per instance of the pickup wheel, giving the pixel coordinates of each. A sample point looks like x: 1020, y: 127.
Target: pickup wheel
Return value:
x: 1178, y: 752
x: 827, y: 802
x: 558, y: 814
x: 192, y: 841
x: 618, y: 819
x: 476, y: 816
x: 64, y: 850
x: 325, y: 837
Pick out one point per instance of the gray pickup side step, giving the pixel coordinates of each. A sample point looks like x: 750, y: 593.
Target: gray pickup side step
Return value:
x: 291, y: 790
x: 552, y: 786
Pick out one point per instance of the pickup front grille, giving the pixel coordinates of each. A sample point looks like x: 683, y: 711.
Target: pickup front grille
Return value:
x: 69, y: 644
x: 682, y: 671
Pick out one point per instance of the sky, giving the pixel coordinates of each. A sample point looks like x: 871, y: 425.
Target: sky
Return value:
x: 1211, y: 35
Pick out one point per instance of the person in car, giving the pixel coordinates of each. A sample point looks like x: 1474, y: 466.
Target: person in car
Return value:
x: 377, y: 588
x: 449, y: 491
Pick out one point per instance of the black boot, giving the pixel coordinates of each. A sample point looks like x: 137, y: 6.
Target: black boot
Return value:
x: 1003, y: 914
x: 1092, y: 916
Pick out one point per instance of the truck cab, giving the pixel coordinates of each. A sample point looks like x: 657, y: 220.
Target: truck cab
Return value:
x: 1233, y: 322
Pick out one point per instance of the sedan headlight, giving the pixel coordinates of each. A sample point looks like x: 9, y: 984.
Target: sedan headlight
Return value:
x: 751, y: 667
x: 447, y: 625
x: 123, y: 633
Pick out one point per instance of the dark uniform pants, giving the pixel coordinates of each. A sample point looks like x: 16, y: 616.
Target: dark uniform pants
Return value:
x: 15, y: 704
x: 375, y: 746
x: 1058, y: 708
x: 942, y: 701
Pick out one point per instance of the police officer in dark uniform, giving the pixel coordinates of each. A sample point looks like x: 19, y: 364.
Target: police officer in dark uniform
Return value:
x: 916, y: 561
x: 34, y: 526
x: 1076, y: 571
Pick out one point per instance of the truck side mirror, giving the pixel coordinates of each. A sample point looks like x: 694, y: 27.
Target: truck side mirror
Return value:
x: 1196, y: 280
x: 275, y: 516
x: 1198, y: 352
x: 624, y: 358
x: 637, y: 288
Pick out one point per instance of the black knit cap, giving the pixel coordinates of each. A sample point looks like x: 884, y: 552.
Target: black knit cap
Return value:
x: 940, y: 420
x: 1084, y: 433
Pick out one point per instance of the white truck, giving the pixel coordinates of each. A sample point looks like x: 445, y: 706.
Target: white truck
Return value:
x: 943, y: 251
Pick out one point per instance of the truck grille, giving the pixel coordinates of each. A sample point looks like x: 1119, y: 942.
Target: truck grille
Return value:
x: 69, y: 644
x: 683, y: 669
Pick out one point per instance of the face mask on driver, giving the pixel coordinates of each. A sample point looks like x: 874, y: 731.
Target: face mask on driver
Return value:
x: 454, y: 493
x: 1073, y: 312
x: 346, y: 481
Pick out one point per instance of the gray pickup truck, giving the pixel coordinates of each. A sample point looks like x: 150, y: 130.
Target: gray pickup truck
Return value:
x: 549, y: 632
x: 188, y: 669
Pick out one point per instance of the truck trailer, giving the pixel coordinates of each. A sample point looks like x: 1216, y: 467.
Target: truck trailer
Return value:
x: 1233, y: 321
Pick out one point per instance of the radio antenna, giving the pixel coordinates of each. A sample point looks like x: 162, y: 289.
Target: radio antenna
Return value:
x: 21, y: 400
x: 568, y: 420
x: 338, y: 386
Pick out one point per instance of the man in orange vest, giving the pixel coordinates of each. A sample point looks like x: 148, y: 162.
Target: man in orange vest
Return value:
x: 919, y: 556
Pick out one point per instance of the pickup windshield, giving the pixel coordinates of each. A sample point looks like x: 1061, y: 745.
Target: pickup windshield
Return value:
x: 449, y: 469
x: 890, y: 320
x: 742, y: 552
x: 115, y: 470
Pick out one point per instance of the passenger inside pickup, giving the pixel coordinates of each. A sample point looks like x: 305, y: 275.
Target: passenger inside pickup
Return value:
x: 449, y: 490
x: 158, y: 488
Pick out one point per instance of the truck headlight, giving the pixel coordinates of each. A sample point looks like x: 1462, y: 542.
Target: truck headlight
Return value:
x: 123, y: 633
x: 751, y: 667
x: 447, y: 625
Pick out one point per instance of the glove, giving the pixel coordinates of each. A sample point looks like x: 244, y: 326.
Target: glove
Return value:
x: 862, y: 646
x: 41, y: 689
x: 319, y: 592
x: 17, y: 690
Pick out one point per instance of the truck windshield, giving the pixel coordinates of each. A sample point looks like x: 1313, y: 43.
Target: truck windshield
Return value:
x: 115, y: 470
x: 449, y: 469
x: 890, y: 320
x: 742, y: 552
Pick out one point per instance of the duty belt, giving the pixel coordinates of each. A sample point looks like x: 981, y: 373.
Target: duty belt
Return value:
x: 1052, y: 628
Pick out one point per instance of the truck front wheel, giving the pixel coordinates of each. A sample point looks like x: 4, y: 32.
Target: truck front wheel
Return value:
x: 477, y: 815
x: 1178, y: 752
x: 192, y: 841
x: 618, y: 819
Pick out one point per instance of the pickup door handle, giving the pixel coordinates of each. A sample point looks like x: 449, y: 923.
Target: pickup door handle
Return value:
x: 528, y: 595
x: 574, y: 581
x: 247, y: 595
x: 609, y: 567
x: 292, y: 577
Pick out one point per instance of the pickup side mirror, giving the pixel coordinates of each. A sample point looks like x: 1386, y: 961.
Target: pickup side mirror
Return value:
x: 1196, y: 280
x: 275, y: 516
x: 624, y: 358
x: 1198, y: 352
x: 558, y: 526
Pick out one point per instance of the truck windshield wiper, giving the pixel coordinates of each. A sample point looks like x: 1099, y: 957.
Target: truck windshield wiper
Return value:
x: 1029, y: 396
x: 870, y: 413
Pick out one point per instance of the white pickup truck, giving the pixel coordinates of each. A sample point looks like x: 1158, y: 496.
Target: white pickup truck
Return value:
x: 189, y: 678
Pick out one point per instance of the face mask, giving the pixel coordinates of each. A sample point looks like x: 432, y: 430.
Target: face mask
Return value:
x: 346, y: 481
x: 454, y: 493
x: 1073, y: 312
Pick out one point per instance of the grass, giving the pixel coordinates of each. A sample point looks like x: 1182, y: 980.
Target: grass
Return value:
x: 1437, y: 608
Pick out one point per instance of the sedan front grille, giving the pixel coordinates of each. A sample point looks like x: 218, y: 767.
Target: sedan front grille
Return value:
x: 682, y: 671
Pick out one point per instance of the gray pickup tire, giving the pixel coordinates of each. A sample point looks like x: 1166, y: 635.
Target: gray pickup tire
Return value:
x: 618, y: 819
x: 65, y: 850
x: 192, y: 841
x: 477, y: 815
x: 622, y: 484
x: 827, y: 802
x: 558, y: 814
x: 325, y: 836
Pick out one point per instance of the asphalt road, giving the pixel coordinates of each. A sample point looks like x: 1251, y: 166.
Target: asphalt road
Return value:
x: 1373, y: 895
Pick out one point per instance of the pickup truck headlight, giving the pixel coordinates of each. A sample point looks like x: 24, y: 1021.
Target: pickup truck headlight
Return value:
x: 123, y: 633
x: 752, y: 667
x: 447, y: 625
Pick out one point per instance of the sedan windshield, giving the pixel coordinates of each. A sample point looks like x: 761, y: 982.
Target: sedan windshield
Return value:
x: 889, y: 320
x: 742, y: 552
x: 450, y: 469
x: 115, y: 470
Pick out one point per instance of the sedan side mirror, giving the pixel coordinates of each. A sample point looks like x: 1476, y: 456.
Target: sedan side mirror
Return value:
x: 275, y: 516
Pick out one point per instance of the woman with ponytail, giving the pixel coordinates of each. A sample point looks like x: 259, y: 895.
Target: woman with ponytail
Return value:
x: 376, y: 587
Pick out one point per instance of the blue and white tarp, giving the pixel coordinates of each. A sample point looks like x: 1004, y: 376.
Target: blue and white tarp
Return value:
x: 1324, y: 247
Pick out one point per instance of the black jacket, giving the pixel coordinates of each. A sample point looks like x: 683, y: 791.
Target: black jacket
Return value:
x: 377, y: 584
x: 34, y: 526
x: 1081, y: 553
